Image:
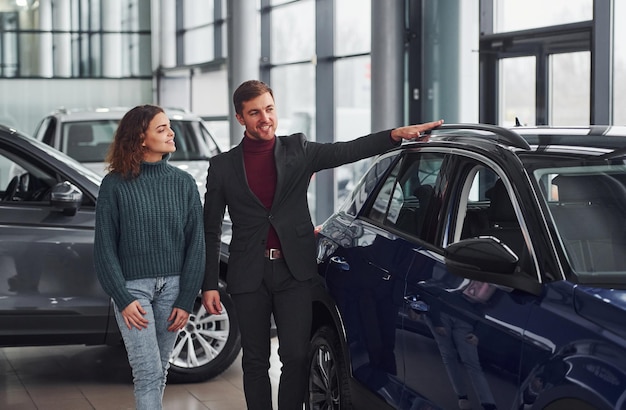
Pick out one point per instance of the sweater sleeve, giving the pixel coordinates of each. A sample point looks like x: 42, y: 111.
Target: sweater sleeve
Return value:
x: 108, y: 268
x: 195, y: 252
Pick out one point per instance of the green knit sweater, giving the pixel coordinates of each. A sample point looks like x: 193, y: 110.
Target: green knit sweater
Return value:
x: 148, y: 227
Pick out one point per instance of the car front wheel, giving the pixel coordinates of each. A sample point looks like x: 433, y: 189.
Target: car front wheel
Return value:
x: 207, y: 346
x: 328, y: 376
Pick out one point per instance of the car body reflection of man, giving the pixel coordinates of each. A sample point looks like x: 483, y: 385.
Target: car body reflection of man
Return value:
x: 27, y: 275
x: 456, y: 339
x: 369, y: 297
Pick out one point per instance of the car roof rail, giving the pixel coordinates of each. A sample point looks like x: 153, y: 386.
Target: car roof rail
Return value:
x: 497, y: 133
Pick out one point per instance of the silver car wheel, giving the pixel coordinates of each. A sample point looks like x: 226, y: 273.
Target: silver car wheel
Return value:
x: 202, y: 340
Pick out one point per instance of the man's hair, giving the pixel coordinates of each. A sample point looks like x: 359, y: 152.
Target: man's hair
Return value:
x: 126, y: 152
x: 248, y: 91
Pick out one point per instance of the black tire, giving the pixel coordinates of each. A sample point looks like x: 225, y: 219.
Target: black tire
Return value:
x: 208, y: 345
x: 328, y: 374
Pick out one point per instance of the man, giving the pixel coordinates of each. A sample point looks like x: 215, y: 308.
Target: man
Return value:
x: 272, y: 265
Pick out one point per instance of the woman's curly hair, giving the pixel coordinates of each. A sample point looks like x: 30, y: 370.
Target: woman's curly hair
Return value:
x: 127, y: 152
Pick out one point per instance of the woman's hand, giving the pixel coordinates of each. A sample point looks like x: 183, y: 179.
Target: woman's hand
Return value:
x: 133, y: 315
x: 179, y: 319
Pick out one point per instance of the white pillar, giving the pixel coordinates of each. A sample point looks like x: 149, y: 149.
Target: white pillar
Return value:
x: 168, y: 33
x: 112, y: 49
x: 63, y: 41
x: 387, y: 64
x: 243, y: 51
x: 45, y: 64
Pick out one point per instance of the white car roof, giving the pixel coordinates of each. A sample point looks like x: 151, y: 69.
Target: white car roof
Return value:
x: 115, y: 113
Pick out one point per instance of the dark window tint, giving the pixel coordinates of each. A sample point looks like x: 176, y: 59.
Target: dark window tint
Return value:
x: 406, y: 197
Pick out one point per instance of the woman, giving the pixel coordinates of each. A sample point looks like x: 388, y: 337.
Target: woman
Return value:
x: 149, y: 246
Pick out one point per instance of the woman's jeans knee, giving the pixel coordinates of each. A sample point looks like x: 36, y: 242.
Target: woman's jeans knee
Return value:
x: 149, y: 349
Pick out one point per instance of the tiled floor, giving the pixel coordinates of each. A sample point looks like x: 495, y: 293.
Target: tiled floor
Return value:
x: 98, y: 378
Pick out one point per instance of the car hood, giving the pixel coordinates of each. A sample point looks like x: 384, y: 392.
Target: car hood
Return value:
x: 603, y: 306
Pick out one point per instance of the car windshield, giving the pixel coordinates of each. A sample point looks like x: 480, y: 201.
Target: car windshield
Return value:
x: 88, y: 141
x: 587, y: 203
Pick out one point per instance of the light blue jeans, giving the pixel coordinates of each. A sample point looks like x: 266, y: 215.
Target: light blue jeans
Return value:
x: 149, y: 349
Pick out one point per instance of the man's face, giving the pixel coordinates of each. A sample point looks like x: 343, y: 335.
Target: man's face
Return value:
x: 259, y: 117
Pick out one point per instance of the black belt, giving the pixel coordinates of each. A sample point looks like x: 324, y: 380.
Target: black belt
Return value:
x: 272, y: 254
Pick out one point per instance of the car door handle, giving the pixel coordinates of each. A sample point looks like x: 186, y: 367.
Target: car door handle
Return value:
x: 341, y: 262
x: 416, y: 303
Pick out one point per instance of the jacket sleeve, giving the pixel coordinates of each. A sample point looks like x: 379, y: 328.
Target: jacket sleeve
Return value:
x: 214, y: 209
x: 331, y: 155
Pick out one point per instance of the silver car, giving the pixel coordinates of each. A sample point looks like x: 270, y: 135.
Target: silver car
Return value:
x: 86, y: 134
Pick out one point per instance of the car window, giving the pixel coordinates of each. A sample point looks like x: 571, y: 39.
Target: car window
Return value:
x: 192, y: 141
x: 22, y: 180
x: 587, y: 203
x: 88, y: 141
x: 353, y: 204
x: 406, y: 197
x: 485, y: 208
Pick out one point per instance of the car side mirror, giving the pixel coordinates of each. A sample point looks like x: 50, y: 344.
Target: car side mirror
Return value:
x: 66, y: 197
x: 487, y: 259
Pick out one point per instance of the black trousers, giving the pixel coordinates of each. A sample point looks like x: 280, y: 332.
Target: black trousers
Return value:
x: 290, y: 302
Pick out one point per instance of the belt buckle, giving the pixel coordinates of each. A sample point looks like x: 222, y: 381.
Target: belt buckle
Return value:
x: 271, y: 254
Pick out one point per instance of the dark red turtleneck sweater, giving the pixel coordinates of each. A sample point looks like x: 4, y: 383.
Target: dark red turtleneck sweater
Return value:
x: 258, y: 158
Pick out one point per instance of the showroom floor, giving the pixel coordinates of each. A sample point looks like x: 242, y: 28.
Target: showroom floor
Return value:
x: 98, y: 378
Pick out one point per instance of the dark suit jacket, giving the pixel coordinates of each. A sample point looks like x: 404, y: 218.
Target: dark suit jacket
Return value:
x: 296, y: 161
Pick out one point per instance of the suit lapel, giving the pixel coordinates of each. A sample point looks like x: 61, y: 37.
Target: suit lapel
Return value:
x: 279, y: 161
x: 239, y: 171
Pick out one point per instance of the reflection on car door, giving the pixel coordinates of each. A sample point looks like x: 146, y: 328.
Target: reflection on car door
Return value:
x: 47, y: 281
x: 462, y: 338
x: 365, y: 278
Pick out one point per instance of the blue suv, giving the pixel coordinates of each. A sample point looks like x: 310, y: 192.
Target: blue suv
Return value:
x: 483, y: 268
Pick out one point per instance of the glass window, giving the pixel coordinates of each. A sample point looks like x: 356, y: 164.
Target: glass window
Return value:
x: 294, y: 92
x: 366, y: 185
x: 594, y: 192
x: 570, y: 80
x: 407, y: 196
x: 88, y: 141
x: 352, y: 116
x: 197, y: 12
x: 9, y: 45
x: 79, y: 38
x: 22, y: 180
x: 513, y: 15
x: 198, y: 29
x: 198, y: 46
x: 352, y: 27
x: 517, y: 91
x: 293, y: 32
